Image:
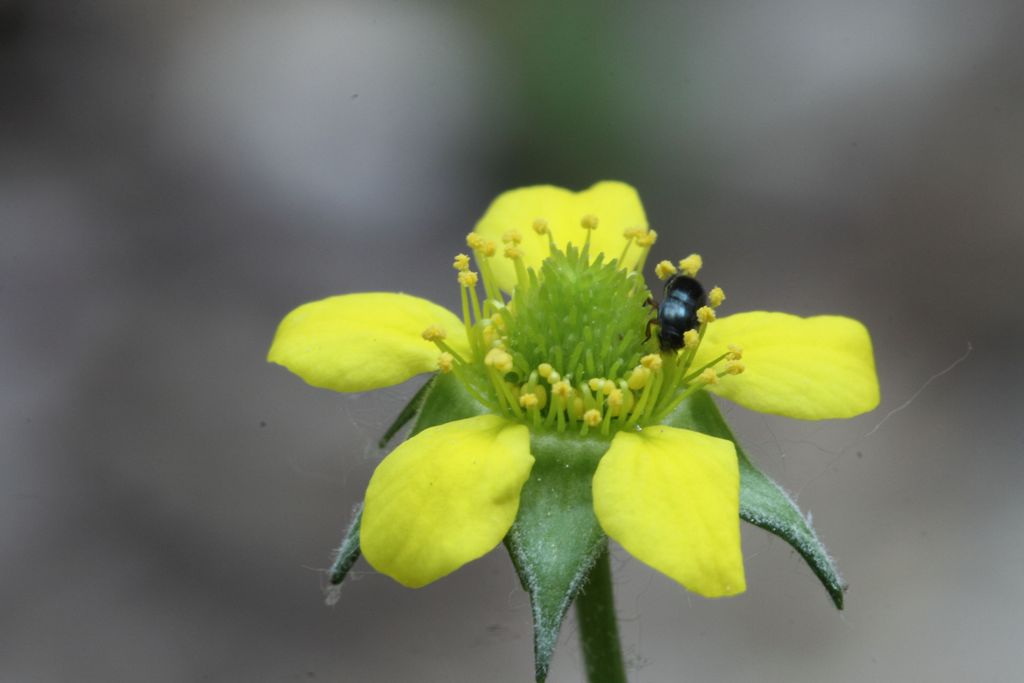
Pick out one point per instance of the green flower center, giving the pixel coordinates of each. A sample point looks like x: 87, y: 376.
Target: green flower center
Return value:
x: 572, y: 349
x: 587, y: 320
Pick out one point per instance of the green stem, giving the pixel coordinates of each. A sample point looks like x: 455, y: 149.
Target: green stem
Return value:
x: 599, y: 629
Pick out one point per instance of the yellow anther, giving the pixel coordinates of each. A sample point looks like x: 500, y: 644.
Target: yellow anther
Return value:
x: 490, y: 335
x: 434, y: 333
x: 715, y: 297
x: 498, y: 359
x: 589, y: 222
x: 512, y: 237
x: 615, y: 399
x: 651, y: 361
x: 554, y: 377
x: 664, y: 270
x: 545, y: 370
x: 608, y: 388
x: 735, y: 352
x: 461, y: 262
x: 691, y: 339
x: 576, y: 407
x: 528, y: 401
x: 691, y: 265
x: 445, y: 362
x: 706, y: 314
x: 540, y: 226
x: 595, y: 384
x: 647, y: 239
x: 561, y: 388
x: 592, y: 417
x: 734, y: 367
x: 634, y: 232
x: 487, y: 248
x: 638, y: 378
x: 540, y: 393
x: 709, y: 376
x: 512, y: 251
x: 467, y: 278
x: 474, y: 241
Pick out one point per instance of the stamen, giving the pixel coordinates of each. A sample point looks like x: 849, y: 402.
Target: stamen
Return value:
x: 715, y: 297
x: 588, y: 223
x: 541, y: 227
x: 734, y: 367
x: 515, y: 253
x: 445, y: 362
x: 542, y: 396
x: 651, y: 361
x: 630, y: 234
x: 645, y: 242
x: 592, y: 418
x: 705, y: 315
x: 560, y: 392
x: 461, y: 262
x: 614, y: 409
x: 529, y: 401
x: 691, y: 265
x: 577, y: 407
x: 735, y: 352
x: 498, y: 359
x: 512, y: 237
x: 482, y: 250
x: 434, y: 333
x: 709, y: 376
x: 491, y: 336
x: 664, y: 270
x: 638, y: 378
x: 634, y: 232
x: 647, y: 239
x: 691, y: 340
x: 615, y: 401
x: 468, y: 280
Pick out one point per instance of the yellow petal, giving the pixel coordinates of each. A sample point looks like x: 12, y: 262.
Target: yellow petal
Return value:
x: 808, y: 368
x: 358, y: 342
x: 445, y: 497
x: 616, y: 206
x: 671, y: 497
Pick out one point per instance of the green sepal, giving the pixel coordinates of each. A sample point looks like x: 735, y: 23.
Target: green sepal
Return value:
x: 763, y: 503
x: 411, y: 410
x: 345, y: 556
x: 445, y: 401
x: 441, y: 399
x: 556, y: 538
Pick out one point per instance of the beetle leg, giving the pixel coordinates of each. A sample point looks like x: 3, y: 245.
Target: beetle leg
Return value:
x: 650, y: 323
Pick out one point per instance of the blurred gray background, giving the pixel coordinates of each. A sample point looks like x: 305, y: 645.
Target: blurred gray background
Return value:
x: 176, y: 176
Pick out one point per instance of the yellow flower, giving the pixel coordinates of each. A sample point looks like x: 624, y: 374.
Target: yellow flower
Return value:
x: 557, y: 346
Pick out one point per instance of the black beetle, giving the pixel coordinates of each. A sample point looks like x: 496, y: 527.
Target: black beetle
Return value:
x: 684, y: 296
